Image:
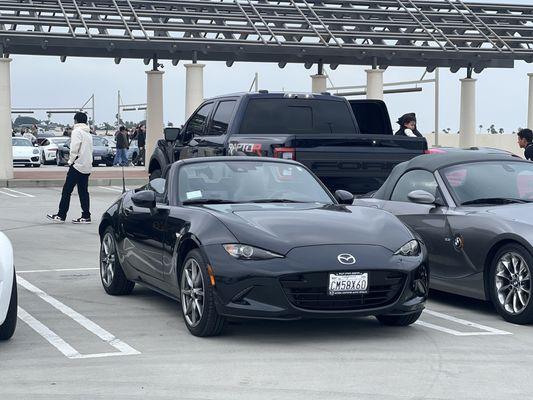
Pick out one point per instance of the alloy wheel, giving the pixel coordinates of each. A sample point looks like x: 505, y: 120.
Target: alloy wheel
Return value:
x: 513, y: 283
x: 192, y: 292
x: 107, y: 259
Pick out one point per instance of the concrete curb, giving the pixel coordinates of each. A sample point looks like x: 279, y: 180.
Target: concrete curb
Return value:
x: 20, y: 183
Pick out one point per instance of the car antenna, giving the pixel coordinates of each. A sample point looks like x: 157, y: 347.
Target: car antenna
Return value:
x: 123, y: 181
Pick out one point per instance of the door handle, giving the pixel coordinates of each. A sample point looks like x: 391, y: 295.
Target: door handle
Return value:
x: 128, y: 210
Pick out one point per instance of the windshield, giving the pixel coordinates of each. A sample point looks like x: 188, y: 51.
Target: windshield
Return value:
x: 248, y: 181
x: 490, y: 182
x: 21, y: 142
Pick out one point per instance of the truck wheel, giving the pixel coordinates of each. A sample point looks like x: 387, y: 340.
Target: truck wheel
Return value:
x: 156, y: 173
x: 8, y: 327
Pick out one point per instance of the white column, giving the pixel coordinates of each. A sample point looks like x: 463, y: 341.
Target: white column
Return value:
x: 318, y: 83
x: 374, y: 84
x: 194, y: 87
x: 154, y: 111
x: 467, y: 127
x: 530, y: 103
x: 6, y: 155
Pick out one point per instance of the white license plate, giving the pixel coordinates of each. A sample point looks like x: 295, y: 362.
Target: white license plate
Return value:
x: 97, y: 158
x: 348, y: 283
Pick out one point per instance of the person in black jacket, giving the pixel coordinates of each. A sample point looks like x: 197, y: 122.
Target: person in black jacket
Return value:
x: 141, y: 143
x: 407, y: 124
x: 525, y: 139
x: 121, y: 137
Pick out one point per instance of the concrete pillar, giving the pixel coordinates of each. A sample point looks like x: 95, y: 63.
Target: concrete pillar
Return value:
x: 374, y: 84
x: 467, y: 127
x: 530, y: 103
x: 194, y: 87
x: 6, y: 154
x: 318, y: 83
x: 154, y: 112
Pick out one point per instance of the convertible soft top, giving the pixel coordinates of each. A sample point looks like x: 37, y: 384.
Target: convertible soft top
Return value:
x: 434, y: 162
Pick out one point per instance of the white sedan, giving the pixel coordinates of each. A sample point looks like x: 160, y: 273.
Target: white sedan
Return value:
x: 24, y: 153
x: 8, y: 290
x: 49, y: 146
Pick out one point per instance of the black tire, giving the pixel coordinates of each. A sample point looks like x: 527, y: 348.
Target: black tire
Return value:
x: 210, y: 322
x: 7, y: 329
x: 399, y: 320
x: 115, y: 283
x: 156, y: 173
x: 37, y: 165
x: 95, y: 164
x: 525, y: 315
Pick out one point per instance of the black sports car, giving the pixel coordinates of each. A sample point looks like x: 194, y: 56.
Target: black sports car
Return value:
x: 102, y: 152
x: 260, y: 238
x: 474, y: 213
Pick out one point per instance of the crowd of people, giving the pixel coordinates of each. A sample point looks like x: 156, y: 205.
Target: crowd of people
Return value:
x: 123, y: 139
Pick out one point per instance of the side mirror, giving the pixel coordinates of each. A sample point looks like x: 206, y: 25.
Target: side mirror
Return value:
x: 344, y: 197
x: 172, y: 134
x: 421, y: 197
x: 144, y: 199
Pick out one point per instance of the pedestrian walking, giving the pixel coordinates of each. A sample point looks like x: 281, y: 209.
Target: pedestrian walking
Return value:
x: 121, y: 138
x: 80, y: 163
x: 141, y: 144
x: 407, y: 124
x: 525, y: 141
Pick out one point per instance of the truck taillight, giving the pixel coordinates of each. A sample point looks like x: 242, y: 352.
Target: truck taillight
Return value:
x: 287, y: 153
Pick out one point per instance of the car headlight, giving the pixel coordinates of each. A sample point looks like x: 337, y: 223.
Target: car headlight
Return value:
x: 35, y: 151
x: 410, y: 249
x: 245, y: 252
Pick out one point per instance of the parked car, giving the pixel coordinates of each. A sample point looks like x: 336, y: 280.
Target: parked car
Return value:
x: 102, y: 152
x: 486, y: 150
x: 24, y: 153
x: 8, y: 290
x: 474, y: 212
x: 49, y: 147
x: 348, y: 145
x: 260, y: 238
x: 132, y: 153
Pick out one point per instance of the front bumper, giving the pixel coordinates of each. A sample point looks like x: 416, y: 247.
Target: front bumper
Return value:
x: 295, y: 287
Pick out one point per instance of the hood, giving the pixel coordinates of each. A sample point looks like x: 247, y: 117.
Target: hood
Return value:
x: 522, y: 213
x: 23, y: 151
x: 281, y: 227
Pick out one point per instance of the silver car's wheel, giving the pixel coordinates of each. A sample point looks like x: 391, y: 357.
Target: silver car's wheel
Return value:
x: 107, y: 262
x: 513, y: 283
x: 192, y: 293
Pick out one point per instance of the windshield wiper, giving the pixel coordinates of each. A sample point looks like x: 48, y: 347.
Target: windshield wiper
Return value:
x: 275, y: 201
x: 495, y: 200
x: 208, y: 201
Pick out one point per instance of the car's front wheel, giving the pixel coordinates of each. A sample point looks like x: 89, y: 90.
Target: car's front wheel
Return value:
x: 7, y: 329
x: 112, y: 275
x: 197, y: 298
x: 399, y: 320
x: 510, y: 284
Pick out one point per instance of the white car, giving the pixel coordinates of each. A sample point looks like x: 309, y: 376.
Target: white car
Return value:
x: 24, y: 153
x: 8, y: 290
x: 49, y: 146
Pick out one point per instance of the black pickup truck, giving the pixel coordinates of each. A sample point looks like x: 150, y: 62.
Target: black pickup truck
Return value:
x: 348, y: 145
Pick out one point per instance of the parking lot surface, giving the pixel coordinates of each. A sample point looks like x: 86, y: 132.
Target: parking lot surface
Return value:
x: 75, y: 342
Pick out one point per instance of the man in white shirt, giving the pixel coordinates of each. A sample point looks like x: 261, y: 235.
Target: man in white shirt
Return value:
x: 80, y: 163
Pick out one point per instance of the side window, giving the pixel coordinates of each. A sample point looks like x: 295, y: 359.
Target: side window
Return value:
x: 221, y: 118
x: 197, y: 123
x: 414, y: 180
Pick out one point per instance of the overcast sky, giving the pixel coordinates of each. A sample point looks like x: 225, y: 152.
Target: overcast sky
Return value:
x: 46, y: 82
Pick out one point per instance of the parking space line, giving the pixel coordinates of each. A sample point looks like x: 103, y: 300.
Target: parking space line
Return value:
x: 123, y: 348
x: 8, y: 194
x: 111, y: 189
x: 33, y: 271
x: 119, y: 188
x: 17, y: 192
x: 483, y: 329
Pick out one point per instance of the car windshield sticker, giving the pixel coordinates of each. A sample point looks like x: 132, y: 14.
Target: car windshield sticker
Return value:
x: 194, y: 195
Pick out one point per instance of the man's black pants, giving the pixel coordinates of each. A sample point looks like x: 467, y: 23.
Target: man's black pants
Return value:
x: 75, y: 178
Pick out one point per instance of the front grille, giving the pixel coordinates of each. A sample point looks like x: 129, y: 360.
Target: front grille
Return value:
x: 310, y: 291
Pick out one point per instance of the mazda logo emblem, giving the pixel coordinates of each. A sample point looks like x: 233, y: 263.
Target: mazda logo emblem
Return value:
x: 346, y: 259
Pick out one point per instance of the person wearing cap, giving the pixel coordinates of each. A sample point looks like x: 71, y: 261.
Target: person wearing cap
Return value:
x: 525, y: 141
x: 407, y: 124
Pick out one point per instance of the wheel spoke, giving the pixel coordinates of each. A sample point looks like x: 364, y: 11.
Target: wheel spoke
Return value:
x: 504, y: 288
x: 515, y: 302
x: 198, y: 307
x: 189, y: 279
x: 523, y: 299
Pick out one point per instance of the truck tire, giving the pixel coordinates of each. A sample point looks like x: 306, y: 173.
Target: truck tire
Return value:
x: 156, y: 173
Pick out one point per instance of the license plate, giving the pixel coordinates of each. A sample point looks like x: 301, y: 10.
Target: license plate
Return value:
x: 348, y: 283
x: 97, y: 158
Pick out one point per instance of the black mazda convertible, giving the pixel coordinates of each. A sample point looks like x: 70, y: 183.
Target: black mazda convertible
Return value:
x: 260, y: 238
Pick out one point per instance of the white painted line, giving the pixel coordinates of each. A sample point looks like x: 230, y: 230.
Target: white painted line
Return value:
x: 111, y: 189
x: 8, y: 194
x: 22, y: 193
x: 119, y: 188
x: 123, y: 348
x: 33, y: 271
x: 483, y: 330
x: 48, y: 334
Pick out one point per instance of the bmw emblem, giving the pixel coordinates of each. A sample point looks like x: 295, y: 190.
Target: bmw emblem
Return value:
x: 346, y: 259
x: 458, y: 242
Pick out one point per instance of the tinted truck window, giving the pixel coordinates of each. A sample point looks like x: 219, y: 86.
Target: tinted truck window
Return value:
x: 293, y: 116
